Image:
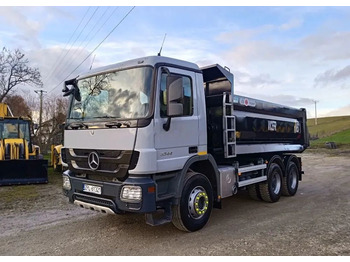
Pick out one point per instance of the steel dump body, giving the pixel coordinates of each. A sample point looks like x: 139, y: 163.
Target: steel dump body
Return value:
x: 258, y: 126
x: 257, y: 122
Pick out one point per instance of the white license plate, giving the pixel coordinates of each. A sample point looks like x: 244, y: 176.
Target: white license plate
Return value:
x: 92, y: 189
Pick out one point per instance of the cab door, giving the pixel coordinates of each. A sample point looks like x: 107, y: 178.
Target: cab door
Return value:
x: 177, y: 144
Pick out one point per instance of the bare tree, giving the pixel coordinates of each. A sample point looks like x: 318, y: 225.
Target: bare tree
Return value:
x: 19, y: 106
x: 14, y: 72
x: 54, y: 115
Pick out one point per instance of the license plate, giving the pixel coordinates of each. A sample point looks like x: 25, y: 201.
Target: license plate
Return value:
x: 92, y: 189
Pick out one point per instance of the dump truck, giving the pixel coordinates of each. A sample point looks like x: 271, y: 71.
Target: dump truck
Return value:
x: 169, y: 139
x: 20, y: 160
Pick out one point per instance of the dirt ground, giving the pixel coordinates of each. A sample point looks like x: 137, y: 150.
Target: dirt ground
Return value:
x: 38, y: 220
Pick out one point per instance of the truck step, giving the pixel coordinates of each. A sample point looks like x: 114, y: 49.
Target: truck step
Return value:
x: 160, y: 217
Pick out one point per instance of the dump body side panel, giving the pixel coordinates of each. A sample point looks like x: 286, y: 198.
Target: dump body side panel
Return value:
x: 261, y: 126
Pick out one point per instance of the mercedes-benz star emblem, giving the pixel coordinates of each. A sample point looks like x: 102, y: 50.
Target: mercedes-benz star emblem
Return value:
x: 93, y: 160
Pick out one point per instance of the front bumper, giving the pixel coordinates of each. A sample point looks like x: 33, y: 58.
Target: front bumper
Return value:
x: 109, y: 200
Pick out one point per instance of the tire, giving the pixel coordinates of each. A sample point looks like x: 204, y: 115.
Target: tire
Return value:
x: 196, y: 203
x: 271, y: 190
x: 254, y: 192
x: 290, y: 182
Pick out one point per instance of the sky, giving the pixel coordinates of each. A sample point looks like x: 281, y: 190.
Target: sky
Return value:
x: 291, y: 55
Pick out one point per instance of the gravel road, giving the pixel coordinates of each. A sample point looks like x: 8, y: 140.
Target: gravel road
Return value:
x: 316, y: 221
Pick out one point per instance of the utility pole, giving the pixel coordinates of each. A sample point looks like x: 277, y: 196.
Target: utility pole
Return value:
x: 40, y: 92
x: 315, y: 112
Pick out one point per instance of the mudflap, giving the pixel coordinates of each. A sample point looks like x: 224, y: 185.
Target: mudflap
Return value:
x: 22, y: 172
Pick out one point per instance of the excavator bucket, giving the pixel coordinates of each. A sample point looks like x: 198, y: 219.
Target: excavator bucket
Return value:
x: 22, y: 172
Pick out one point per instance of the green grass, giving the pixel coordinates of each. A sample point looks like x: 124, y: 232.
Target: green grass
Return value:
x: 11, y: 195
x: 340, y: 138
x: 328, y: 126
x: 330, y: 129
x: 55, y: 177
x: 15, y: 193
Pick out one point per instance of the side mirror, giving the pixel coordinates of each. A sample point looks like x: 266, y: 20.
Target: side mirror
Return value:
x: 174, y: 97
x: 175, y: 94
x: 74, y: 90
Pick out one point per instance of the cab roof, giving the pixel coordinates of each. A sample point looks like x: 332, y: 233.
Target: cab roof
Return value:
x: 144, y: 61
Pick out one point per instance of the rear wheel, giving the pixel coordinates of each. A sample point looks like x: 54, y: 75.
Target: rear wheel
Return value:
x: 291, y: 181
x: 195, y: 205
x: 270, y: 190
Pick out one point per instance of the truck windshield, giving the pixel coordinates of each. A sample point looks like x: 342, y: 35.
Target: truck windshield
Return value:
x: 121, y: 94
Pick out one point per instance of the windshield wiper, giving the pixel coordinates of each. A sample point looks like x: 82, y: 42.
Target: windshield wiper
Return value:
x: 117, y: 124
x: 113, y: 124
x: 78, y: 125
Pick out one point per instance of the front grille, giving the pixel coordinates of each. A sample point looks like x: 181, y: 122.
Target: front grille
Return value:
x: 102, y: 153
x: 101, y: 178
x: 63, y: 155
x: 113, y: 164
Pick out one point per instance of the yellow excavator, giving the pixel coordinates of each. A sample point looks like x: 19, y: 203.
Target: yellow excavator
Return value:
x: 56, y: 159
x: 20, y: 160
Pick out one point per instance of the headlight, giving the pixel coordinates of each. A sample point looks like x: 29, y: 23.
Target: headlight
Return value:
x: 131, y: 194
x: 66, y: 183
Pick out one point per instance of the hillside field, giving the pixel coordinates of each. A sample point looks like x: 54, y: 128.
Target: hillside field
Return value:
x: 330, y: 129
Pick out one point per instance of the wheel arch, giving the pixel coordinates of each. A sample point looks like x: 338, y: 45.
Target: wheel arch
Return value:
x: 205, y: 165
x: 296, y: 160
x: 279, y: 161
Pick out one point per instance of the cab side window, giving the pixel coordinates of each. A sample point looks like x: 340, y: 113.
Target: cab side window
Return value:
x: 187, y: 100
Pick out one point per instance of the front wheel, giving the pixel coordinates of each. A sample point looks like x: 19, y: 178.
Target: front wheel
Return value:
x: 195, y: 205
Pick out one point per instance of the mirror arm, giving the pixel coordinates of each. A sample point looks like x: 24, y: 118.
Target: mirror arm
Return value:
x: 74, y: 90
x: 69, y: 92
x: 166, y: 125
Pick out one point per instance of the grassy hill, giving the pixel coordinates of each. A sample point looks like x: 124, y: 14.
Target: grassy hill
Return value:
x: 330, y: 129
